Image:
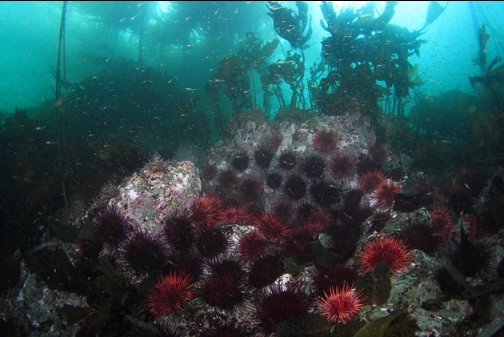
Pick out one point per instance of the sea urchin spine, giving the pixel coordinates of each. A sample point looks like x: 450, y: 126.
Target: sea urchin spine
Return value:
x: 388, y: 249
x: 325, y: 141
x: 340, y: 304
x: 171, y: 293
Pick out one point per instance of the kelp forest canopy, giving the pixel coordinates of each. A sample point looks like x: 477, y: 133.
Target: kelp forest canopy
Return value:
x: 361, y: 51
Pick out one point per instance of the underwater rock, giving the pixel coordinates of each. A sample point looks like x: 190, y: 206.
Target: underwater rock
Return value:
x: 158, y: 192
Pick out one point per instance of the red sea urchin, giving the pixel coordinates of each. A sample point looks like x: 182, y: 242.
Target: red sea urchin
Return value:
x: 271, y: 227
x: 340, y: 304
x: 325, y: 141
x: 388, y: 249
x: 441, y: 222
x: 235, y: 215
x: 370, y: 180
x: 385, y: 192
x: 252, y: 245
x: 205, y: 211
x: 171, y: 293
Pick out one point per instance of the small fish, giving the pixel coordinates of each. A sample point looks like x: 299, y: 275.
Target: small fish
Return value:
x: 43, y: 245
x: 38, y: 128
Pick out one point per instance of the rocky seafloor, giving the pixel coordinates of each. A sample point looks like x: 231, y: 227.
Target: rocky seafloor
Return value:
x: 451, y: 284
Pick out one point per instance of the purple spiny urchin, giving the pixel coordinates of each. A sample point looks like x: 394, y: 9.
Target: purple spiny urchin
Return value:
x: 223, y: 288
x: 211, y: 242
x: 421, y: 236
x: 179, y: 232
x: 265, y: 270
x: 342, y: 166
x: 240, y: 161
x: 228, y: 179
x: 250, y: 189
x: 287, y: 160
x: 209, y: 172
x: 324, y: 193
x: 279, y: 305
x: 295, y: 187
x: 112, y: 226
x: 469, y: 258
x: 274, y: 181
x: 142, y: 253
x: 283, y: 210
x: 314, y: 166
x: 263, y: 157
x: 336, y: 276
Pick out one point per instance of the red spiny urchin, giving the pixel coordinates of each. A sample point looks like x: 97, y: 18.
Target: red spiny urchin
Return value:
x: 441, y: 222
x: 205, y: 211
x: 278, y: 305
x: 325, y: 140
x: 252, y: 245
x: 171, y: 293
x: 370, y: 180
x: 388, y: 249
x: 474, y: 226
x: 340, y: 304
x: 235, y: 215
x: 271, y: 227
x: 315, y: 226
x: 385, y: 192
x: 342, y: 166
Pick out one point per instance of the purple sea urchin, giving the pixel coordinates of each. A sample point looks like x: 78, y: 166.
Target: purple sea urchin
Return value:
x: 314, y: 166
x: 287, y: 160
x: 295, y: 187
x: 142, y: 253
x: 112, y: 226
